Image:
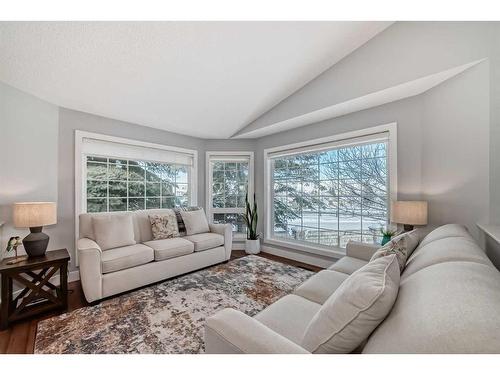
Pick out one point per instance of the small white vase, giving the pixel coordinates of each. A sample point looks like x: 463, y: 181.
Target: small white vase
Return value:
x: 252, y: 246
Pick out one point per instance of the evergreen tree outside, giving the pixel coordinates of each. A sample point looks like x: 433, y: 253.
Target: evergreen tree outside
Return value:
x: 332, y: 196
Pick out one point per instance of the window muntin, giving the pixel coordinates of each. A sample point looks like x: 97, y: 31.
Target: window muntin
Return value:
x: 129, y: 185
x: 228, y: 182
x: 326, y: 198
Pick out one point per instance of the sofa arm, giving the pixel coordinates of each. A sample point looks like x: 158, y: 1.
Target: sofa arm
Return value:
x: 361, y: 250
x: 227, y: 231
x: 232, y: 332
x: 89, y: 258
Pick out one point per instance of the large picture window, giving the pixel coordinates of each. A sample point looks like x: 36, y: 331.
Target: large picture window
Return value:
x: 229, y: 178
x: 129, y: 185
x: 118, y: 174
x: 325, y: 195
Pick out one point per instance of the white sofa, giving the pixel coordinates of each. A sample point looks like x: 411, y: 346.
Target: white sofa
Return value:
x: 448, y: 302
x: 104, y: 273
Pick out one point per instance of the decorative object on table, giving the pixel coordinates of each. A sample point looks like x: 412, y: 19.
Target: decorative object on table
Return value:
x: 13, y: 243
x: 35, y: 215
x: 387, y: 234
x: 39, y: 294
x: 409, y: 213
x: 172, y: 321
x: 252, y: 243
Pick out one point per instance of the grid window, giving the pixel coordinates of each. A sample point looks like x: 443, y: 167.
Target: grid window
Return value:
x: 130, y: 185
x: 330, y: 197
x: 228, y: 186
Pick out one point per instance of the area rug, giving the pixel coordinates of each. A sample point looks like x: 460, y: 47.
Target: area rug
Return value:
x: 168, y: 317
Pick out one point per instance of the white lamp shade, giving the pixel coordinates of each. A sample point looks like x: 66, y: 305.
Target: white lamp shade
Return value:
x: 409, y: 212
x: 34, y: 214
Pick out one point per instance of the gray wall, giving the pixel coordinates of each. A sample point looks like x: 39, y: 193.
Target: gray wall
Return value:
x: 495, y: 129
x: 28, y: 156
x: 445, y: 141
x: 69, y: 121
x: 455, y: 149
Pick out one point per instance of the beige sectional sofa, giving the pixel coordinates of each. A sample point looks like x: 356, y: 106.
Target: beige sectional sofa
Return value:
x: 105, y: 272
x: 448, y: 302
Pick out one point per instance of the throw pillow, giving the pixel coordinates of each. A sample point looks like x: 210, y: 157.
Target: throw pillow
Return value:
x: 402, y: 246
x: 164, y: 226
x: 195, y: 222
x: 180, y: 222
x: 112, y: 231
x: 355, y: 309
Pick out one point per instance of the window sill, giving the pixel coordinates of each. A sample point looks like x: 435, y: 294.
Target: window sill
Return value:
x: 317, y: 250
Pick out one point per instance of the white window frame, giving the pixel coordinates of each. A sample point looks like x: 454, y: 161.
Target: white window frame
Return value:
x: 316, y: 145
x: 227, y: 156
x: 81, y: 168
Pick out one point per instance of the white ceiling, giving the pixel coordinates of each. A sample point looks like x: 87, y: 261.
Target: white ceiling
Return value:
x: 205, y: 79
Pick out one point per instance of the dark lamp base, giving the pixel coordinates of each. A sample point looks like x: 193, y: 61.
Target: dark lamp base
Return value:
x: 407, y: 227
x: 36, y: 242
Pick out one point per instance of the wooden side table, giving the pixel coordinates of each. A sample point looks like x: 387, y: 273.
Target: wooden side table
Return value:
x: 39, y: 294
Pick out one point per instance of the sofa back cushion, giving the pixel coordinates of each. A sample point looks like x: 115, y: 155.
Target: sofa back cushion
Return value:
x: 86, y: 229
x: 113, y: 231
x: 449, y: 249
x: 449, y: 307
x: 445, y: 231
x: 355, y: 309
x: 195, y: 222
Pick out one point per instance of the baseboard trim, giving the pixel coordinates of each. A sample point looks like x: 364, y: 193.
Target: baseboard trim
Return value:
x: 238, y: 245
x: 308, y: 258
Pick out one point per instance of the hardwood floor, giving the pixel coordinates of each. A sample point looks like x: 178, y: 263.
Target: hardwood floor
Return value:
x: 20, y: 337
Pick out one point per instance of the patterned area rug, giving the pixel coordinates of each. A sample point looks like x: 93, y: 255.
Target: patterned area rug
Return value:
x: 169, y: 317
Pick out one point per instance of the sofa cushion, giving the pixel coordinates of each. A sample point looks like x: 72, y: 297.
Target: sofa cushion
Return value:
x: 195, y: 222
x: 355, y: 309
x: 449, y: 249
x: 164, y: 226
x: 449, y: 307
x: 321, y: 286
x: 126, y: 257
x: 113, y: 231
x: 86, y: 229
x: 170, y: 248
x: 205, y: 241
x: 448, y: 230
x: 289, y: 316
x: 347, y: 265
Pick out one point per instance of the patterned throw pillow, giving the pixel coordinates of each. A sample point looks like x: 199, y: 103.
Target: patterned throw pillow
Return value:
x: 397, y: 246
x: 402, y: 245
x: 164, y: 226
x: 180, y: 222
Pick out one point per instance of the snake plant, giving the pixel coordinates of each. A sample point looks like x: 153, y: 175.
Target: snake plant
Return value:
x: 251, y: 218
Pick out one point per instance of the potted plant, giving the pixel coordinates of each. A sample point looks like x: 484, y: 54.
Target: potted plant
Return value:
x: 252, y: 243
x: 387, y: 234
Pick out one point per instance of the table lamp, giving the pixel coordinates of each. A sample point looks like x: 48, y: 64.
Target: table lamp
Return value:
x: 35, y: 215
x: 409, y: 213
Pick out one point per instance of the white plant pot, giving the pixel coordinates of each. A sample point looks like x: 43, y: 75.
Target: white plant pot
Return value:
x: 252, y: 246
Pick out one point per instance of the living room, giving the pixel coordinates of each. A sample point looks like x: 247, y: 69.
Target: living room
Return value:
x: 250, y: 187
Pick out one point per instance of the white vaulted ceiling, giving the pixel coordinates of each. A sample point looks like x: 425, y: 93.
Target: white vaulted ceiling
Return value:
x: 205, y: 79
